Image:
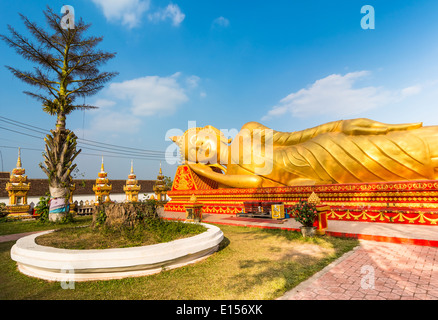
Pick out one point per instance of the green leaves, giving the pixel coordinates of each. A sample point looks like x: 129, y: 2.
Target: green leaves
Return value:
x: 65, y: 63
x: 305, y: 213
x: 42, y: 208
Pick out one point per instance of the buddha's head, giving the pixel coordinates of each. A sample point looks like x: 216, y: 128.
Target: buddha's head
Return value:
x: 201, y: 145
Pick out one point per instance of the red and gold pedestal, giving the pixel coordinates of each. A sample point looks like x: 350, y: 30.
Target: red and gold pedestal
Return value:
x: 321, y: 223
x: 411, y: 202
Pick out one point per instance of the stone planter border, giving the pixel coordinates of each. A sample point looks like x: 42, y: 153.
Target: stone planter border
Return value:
x: 56, y: 264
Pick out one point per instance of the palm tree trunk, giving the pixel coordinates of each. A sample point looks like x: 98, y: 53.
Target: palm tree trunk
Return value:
x: 60, y: 121
x: 59, y: 156
x: 59, y: 203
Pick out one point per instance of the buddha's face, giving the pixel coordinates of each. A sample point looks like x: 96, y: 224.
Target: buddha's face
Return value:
x: 201, y: 145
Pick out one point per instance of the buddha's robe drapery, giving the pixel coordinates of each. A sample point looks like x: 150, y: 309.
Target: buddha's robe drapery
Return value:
x: 325, y: 154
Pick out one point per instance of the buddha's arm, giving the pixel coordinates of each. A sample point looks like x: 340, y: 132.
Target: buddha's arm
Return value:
x: 290, y: 138
x: 234, y: 181
x: 363, y: 126
x: 360, y: 126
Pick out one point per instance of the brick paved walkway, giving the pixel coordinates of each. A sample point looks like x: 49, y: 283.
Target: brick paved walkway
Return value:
x: 376, y: 271
x: 15, y: 236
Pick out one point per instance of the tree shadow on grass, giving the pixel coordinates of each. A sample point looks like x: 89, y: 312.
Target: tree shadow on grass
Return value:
x: 276, y: 278
x: 224, y: 243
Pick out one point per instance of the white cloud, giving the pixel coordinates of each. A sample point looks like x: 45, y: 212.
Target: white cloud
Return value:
x: 150, y: 95
x: 104, y: 103
x: 221, y: 21
x: 409, y: 91
x: 171, y: 12
x: 123, y: 105
x: 336, y: 95
x: 127, y: 12
x: 116, y: 121
x: 192, y: 81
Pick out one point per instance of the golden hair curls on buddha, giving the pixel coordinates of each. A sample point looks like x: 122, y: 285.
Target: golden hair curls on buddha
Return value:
x: 344, y: 151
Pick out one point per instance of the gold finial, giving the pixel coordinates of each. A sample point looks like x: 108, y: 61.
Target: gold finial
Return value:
x: 314, y: 199
x: 19, y: 158
x: 102, y: 169
x: 160, y: 168
x: 132, y: 166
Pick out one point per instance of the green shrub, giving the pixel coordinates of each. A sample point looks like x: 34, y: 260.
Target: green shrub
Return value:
x: 99, y: 218
x: 3, y: 211
x: 305, y: 213
x: 42, y: 211
x: 42, y: 208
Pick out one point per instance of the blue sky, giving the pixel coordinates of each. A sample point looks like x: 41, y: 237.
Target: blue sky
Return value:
x: 287, y: 64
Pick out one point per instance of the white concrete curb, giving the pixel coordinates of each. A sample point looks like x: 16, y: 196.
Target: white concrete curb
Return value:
x: 103, y: 264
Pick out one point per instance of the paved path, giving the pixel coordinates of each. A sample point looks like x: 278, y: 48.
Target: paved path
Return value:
x: 375, y: 271
x: 15, y: 236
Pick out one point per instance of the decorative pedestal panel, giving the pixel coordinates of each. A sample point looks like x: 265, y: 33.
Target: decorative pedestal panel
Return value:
x: 321, y: 222
x: 194, y: 212
x: 277, y: 211
x: 414, y: 202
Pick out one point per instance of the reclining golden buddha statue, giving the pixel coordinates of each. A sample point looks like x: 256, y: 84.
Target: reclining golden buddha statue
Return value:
x: 344, y: 151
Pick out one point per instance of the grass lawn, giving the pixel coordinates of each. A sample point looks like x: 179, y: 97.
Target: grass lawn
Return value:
x: 252, y: 263
x: 17, y: 226
x: 153, y: 232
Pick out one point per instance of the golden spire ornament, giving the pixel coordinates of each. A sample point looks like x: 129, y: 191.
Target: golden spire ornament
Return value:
x: 314, y: 199
x: 132, y: 188
x: 19, y: 158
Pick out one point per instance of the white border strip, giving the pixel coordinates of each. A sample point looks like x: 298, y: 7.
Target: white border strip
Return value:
x: 103, y: 264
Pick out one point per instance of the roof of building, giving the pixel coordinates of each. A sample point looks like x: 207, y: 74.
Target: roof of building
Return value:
x: 39, y: 187
x: 4, y: 175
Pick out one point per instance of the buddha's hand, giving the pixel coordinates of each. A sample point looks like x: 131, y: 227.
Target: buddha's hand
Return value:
x: 366, y: 126
x: 200, y: 168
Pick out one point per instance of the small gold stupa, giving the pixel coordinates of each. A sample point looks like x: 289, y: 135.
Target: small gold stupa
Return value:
x: 102, y: 188
x: 160, y: 187
x: 132, y: 188
x: 17, y: 188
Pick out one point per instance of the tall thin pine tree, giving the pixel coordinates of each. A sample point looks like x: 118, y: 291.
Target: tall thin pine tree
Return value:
x: 66, y: 68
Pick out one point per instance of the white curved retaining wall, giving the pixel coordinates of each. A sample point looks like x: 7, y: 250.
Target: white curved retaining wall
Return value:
x: 104, y: 264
